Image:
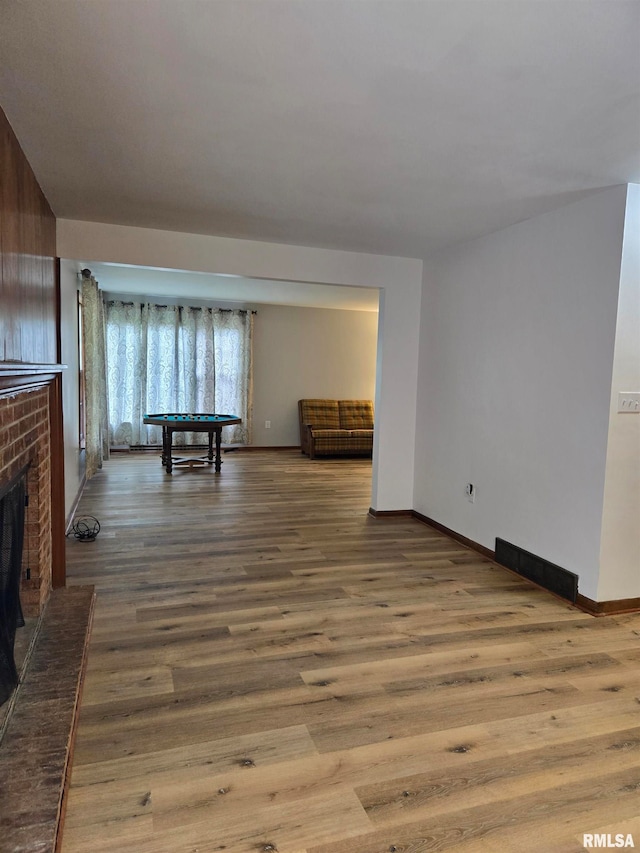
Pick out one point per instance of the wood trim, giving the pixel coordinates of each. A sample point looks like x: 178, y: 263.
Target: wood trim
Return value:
x: 587, y: 605
x: 614, y: 607
x: 248, y: 448
x: 390, y: 513
x: 25, y: 368
x: 66, y: 777
x: 74, y: 505
x: 58, y: 298
x: 18, y: 376
x: 485, y: 552
x: 29, y: 384
x: 469, y: 543
x: 226, y: 448
x: 58, y: 542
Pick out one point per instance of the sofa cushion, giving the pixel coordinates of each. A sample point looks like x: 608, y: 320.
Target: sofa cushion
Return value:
x: 356, y: 414
x: 320, y: 413
x: 330, y: 433
x: 333, y: 441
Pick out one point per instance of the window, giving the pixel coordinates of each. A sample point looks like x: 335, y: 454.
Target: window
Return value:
x: 171, y: 358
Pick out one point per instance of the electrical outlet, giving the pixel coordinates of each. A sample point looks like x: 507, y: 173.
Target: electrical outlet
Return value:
x: 629, y: 402
x: 267, y: 424
x: 470, y: 491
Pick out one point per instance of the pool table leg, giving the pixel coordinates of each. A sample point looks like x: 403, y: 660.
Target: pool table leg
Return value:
x: 168, y: 450
x: 218, y: 454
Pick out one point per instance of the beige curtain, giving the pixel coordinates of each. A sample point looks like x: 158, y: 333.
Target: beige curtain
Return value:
x: 233, y: 338
x: 93, y: 329
x: 172, y: 358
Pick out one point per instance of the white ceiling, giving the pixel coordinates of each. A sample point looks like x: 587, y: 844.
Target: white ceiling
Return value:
x: 386, y: 126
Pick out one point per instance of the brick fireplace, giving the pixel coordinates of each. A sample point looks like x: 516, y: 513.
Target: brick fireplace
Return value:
x: 29, y: 428
x: 24, y: 440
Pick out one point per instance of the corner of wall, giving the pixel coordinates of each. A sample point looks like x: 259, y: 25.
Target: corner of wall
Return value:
x: 516, y: 353
x: 620, y: 536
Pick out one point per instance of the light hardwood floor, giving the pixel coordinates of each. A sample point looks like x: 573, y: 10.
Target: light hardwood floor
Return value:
x: 272, y: 669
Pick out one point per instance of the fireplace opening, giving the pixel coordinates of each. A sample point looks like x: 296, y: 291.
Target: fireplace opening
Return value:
x: 13, y: 499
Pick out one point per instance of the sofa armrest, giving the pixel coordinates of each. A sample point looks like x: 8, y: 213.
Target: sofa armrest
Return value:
x: 311, y: 448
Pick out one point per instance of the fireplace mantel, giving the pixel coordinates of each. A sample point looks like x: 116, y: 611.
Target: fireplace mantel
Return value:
x: 17, y: 375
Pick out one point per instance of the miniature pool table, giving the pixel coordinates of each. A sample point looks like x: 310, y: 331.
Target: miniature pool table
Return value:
x: 199, y: 422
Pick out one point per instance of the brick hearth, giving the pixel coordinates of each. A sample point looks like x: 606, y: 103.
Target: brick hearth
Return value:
x: 37, y: 723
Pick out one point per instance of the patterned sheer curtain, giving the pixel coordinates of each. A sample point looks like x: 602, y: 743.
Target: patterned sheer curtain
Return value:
x: 172, y: 358
x: 93, y: 341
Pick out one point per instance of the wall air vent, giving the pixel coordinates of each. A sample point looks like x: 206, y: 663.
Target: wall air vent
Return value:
x: 538, y: 570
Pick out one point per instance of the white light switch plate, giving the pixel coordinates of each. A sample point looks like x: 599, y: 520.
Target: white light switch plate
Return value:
x: 629, y: 402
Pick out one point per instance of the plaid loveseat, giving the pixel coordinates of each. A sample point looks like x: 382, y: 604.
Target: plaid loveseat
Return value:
x: 336, y: 427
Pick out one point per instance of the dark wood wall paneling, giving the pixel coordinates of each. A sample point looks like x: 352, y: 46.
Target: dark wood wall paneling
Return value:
x: 28, y: 299
x: 29, y: 308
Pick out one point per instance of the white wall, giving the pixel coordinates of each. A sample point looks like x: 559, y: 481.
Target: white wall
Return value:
x: 73, y: 457
x: 397, y: 372
x: 400, y: 279
x: 516, y: 360
x: 308, y: 352
x: 620, y: 547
